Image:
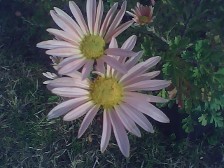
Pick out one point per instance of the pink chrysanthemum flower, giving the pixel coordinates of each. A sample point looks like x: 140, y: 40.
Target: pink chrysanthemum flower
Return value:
x: 82, y: 44
x: 142, y: 14
x: 117, y: 95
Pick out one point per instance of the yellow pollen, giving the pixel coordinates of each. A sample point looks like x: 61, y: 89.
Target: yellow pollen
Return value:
x: 144, y: 19
x: 92, y: 46
x: 106, y: 92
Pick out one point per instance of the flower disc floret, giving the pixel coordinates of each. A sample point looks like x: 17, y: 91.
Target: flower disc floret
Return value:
x: 106, y: 92
x: 144, y: 19
x: 92, y: 46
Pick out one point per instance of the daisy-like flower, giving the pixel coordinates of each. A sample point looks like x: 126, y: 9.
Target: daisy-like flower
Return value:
x: 142, y: 14
x: 83, y: 44
x: 117, y: 95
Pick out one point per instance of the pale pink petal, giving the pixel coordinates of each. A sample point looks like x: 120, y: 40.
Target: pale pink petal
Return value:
x: 150, y: 85
x: 141, y: 68
x: 91, y: 14
x: 68, y: 60
x: 76, y: 75
x: 63, y: 25
x: 107, y: 19
x: 69, y: 21
x: 133, y: 60
x: 106, y: 131
x: 68, y: 82
x: 70, y: 92
x: 128, y: 123
x: 63, y: 52
x: 136, y: 95
x: 120, y: 133
x: 131, y: 14
x: 119, y: 30
x: 113, y: 43
x: 156, y: 99
x: 51, y: 44
x: 115, y: 64
x: 143, y: 77
x: 129, y: 44
x: 87, y: 120
x: 78, y: 112
x: 99, y: 15
x: 138, y: 117
x: 66, y: 106
x: 120, y: 52
x: 147, y: 109
x: 116, y: 20
x: 87, y: 68
x: 50, y: 75
x: 73, y: 66
x: 78, y: 16
x: 100, y: 67
x: 63, y: 35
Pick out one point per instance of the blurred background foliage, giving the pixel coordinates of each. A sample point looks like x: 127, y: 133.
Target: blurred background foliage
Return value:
x: 189, y: 37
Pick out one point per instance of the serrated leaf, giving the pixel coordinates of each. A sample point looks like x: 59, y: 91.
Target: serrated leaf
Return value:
x: 203, y: 119
x: 217, y: 119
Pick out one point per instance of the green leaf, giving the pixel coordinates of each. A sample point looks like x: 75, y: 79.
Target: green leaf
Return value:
x: 220, y: 71
x: 188, y: 124
x: 203, y: 119
x: 217, y: 119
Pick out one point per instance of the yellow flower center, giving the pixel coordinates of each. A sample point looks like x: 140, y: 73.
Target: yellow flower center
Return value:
x: 106, y: 92
x: 92, y: 46
x: 144, y: 19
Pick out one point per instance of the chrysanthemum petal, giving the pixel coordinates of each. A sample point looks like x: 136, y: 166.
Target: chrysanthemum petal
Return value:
x: 78, y: 16
x: 91, y: 14
x: 106, y: 131
x: 67, y: 60
x: 129, y: 44
x: 72, y: 66
x: 115, y: 64
x: 87, y: 69
x: 66, y: 106
x: 69, y: 21
x: 87, y: 120
x: 120, y: 133
x: 150, y: 85
x: 147, y: 109
x: 63, y: 52
x: 69, y: 92
x: 133, y: 60
x: 99, y: 14
x: 100, y: 67
x: 140, y: 68
x: 156, y: 99
x: 79, y: 111
x: 127, y: 122
x: 107, y: 19
x: 62, y: 24
x: 120, y: 52
x: 63, y: 35
x: 113, y: 43
x: 130, y: 13
x: 116, y: 20
x: 119, y: 30
x: 138, y: 117
x: 143, y: 77
x: 51, y: 44
x: 68, y: 82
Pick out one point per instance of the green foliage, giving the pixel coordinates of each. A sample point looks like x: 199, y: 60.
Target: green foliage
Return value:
x: 190, y: 42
